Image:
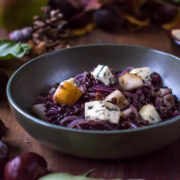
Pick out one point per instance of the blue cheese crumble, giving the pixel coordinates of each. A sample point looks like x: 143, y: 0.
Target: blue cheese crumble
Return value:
x: 103, y: 74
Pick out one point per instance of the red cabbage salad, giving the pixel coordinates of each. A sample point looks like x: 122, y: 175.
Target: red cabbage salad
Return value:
x: 104, y: 99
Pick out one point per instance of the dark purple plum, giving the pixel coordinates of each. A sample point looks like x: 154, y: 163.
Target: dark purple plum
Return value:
x: 17, y: 36
x: 161, y: 13
x: 29, y: 166
x: 21, y: 35
x: 107, y: 18
x: 3, y: 157
x: 27, y: 32
x: 164, y: 14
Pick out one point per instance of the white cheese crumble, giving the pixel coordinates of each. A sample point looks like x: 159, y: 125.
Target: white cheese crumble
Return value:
x: 103, y: 74
x: 102, y: 111
x: 144, y: 73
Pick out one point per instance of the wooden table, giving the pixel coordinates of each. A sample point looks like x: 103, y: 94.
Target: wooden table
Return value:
x: 161, y: 165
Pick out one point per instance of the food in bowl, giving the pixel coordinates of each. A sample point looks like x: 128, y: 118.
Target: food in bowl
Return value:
x: 104, y: 99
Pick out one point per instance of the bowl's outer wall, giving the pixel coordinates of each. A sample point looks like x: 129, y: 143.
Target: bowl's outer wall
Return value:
x: 39, y: 75
x: 102, y: 146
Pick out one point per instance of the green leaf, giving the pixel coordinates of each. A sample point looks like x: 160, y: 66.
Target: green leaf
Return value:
x: 10, y: 49
x: 65, y: 176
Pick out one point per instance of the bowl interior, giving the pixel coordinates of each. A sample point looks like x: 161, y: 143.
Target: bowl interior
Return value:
x: 36, y: 77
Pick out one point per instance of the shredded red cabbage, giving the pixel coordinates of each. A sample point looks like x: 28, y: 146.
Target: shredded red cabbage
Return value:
x: 152, y: 92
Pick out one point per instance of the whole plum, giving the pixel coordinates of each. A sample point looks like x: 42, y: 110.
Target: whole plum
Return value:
x: 3, y: 157
x: 107, y: 18
x: 159, y: 13
x: 164, y: 13
x: 17, y: 36
x: 21, y: 35
x: 27, y: 166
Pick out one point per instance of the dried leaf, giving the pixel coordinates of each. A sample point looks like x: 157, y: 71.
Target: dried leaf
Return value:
x: 139, y: 23
x: 87, y: 29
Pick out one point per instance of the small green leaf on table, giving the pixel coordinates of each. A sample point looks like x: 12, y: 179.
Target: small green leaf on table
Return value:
x: 11, y: 50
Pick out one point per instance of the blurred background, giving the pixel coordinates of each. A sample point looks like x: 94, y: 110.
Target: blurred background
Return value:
x: 47, y: 25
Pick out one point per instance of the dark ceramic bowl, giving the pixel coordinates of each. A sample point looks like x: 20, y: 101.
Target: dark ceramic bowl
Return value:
x: 38, y: 75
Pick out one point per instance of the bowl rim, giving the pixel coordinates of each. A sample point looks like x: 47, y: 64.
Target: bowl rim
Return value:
x: 53, y: 126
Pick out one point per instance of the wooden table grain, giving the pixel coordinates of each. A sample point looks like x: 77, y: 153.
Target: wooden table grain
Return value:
x: 161, y: 165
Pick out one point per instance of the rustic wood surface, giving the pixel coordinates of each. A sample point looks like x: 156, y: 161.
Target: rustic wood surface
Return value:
x: 161, y: 165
